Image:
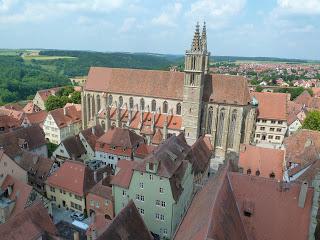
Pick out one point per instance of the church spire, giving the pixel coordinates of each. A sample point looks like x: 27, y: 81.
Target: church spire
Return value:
x: 196, y: 39
x: 204, y: 37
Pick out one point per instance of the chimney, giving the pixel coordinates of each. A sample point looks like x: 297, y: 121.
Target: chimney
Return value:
x: 303, y: 194
x: 64, y: 111
x: 95, y: 178
x: 76, y: 235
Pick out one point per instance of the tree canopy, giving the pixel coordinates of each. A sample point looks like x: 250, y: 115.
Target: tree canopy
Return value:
x: 312, y: 121
x: 64, y: 95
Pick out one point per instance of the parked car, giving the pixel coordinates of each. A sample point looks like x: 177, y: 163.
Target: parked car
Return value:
x: 77, y: 216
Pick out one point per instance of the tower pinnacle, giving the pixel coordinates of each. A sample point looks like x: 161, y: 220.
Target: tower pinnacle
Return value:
x: 204, y: 37
x: 196, y: 43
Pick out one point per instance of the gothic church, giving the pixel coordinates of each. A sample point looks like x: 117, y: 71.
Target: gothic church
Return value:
x: 157, y: 104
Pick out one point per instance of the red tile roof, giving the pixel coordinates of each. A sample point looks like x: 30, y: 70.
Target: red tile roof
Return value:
x: 218, y: 88
x: 20, y: 193
x: 157, y: 137
x: 143, y: 150
x: 303, y: 147
x: 73, y: 177
x: 136, y: 82
x: 123, y: 177
x: 32, y: 223
x: 36, y: 117
x: 226, y: 89
x: 128, y: 224
x: 120, y: 137
x: 272, y: 106
x: 304, y: 98
x: 30, y: 107
x: 73, y: 115
x: 45, y: 93
x: 266, y: 160
x: 275, y: 211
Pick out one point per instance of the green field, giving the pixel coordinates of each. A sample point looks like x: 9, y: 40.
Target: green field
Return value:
x: 43, y: 58
x: 8, y: 52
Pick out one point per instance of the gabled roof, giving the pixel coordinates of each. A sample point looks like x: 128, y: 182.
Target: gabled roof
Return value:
x: 200, y: 154
x: 103, y: 188
x: 74, y: 146
x: 9, y: 123
x: 32, y: 223
x: 123, y: 177
x: 45, y: 93
x: 144, y: 150
x: 226, y: 89
x: 275, y: 210
x: 73, y: 177
x: 30, y: 107
x: 128, y: 224
x: 33, y: 135
x: 266, y: 160
x: 20, y: 193
x: 136, y: 82
x: 304, y: 98
x: 157, y: 137
x: 73, y: 115
x: 120, y: 137
x: 238, y: 206
x: 36, y: 165
x: 92, y: 134
x: 303, y: 147
x: 271, y: 106
x: 36, y: 117
x: 213, y: 213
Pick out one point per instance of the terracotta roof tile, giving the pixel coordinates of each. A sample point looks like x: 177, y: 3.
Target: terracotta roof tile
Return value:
x: 157, y: 137
x: 73, y: 115
x: 136, y: 82
x: 33, y: 135
x: 103, y: 188
x: 303, y: 147
x: 272, y: 106
x: 228, y: 89
x: 36, y: 117
x: 272, y: 207
x: 304, y: 98
x: 124, y: 175
x: 30, y: 224
x: 143, y: 150
x: 20, y: 193
x: 92, y: 135
x: 30, y: 107
x: 266, y: 160
x: 45, y: 93
x: 74, y: 146
x: 72, y: 176
x: 128, y: 224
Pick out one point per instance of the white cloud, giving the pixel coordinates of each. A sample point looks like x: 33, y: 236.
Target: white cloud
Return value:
x: 218, y: 12
x: 304, y: 7
x: 128, y: 24
x: 169, y: 16
x: 29, y: 11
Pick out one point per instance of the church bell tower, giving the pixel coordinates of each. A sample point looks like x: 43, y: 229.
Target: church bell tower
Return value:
x: 196, y: 67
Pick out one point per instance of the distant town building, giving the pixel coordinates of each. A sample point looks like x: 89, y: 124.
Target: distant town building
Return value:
x: 42, y: 95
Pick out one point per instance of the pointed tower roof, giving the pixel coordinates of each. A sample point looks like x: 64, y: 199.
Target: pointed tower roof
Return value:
x: 204, y: 37
x: 196, y: 43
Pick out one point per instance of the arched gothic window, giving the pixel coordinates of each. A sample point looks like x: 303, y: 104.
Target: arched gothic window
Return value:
x: 232, y: 128
x: 93, y: 106
x: 209, y: 120
x: 249, y: 171
x: 192, y: 79
x: 220, y: 128
x: 142, y: 104
x: 103, y: 125
x: 178, y: 110
x: 120, y: 101
x: 153, y: 105
x: 131, y: 102
x: 89, y: 105
x: 98, y: 103
x: 165, y: 107
x: 110, y: 100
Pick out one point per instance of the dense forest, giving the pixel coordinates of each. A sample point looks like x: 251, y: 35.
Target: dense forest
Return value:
x: 80, y: 65
x: 19, y: 80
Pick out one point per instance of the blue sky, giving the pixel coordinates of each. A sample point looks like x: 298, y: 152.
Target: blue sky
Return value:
x: 276, y: 28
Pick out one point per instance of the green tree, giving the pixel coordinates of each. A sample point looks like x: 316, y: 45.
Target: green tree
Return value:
x: 312, y: 121
x: 54, y: 102
x: 66, y: 91
x: 76, y: 97
x: 51, y: 148
x: 259, y: 89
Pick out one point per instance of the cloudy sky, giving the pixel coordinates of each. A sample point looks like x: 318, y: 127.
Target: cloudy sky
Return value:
x: 276, y: 28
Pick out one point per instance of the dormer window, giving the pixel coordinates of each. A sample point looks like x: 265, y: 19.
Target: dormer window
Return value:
x: 272, y: 175
x: 257, y: 173
x: 151, y: 166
